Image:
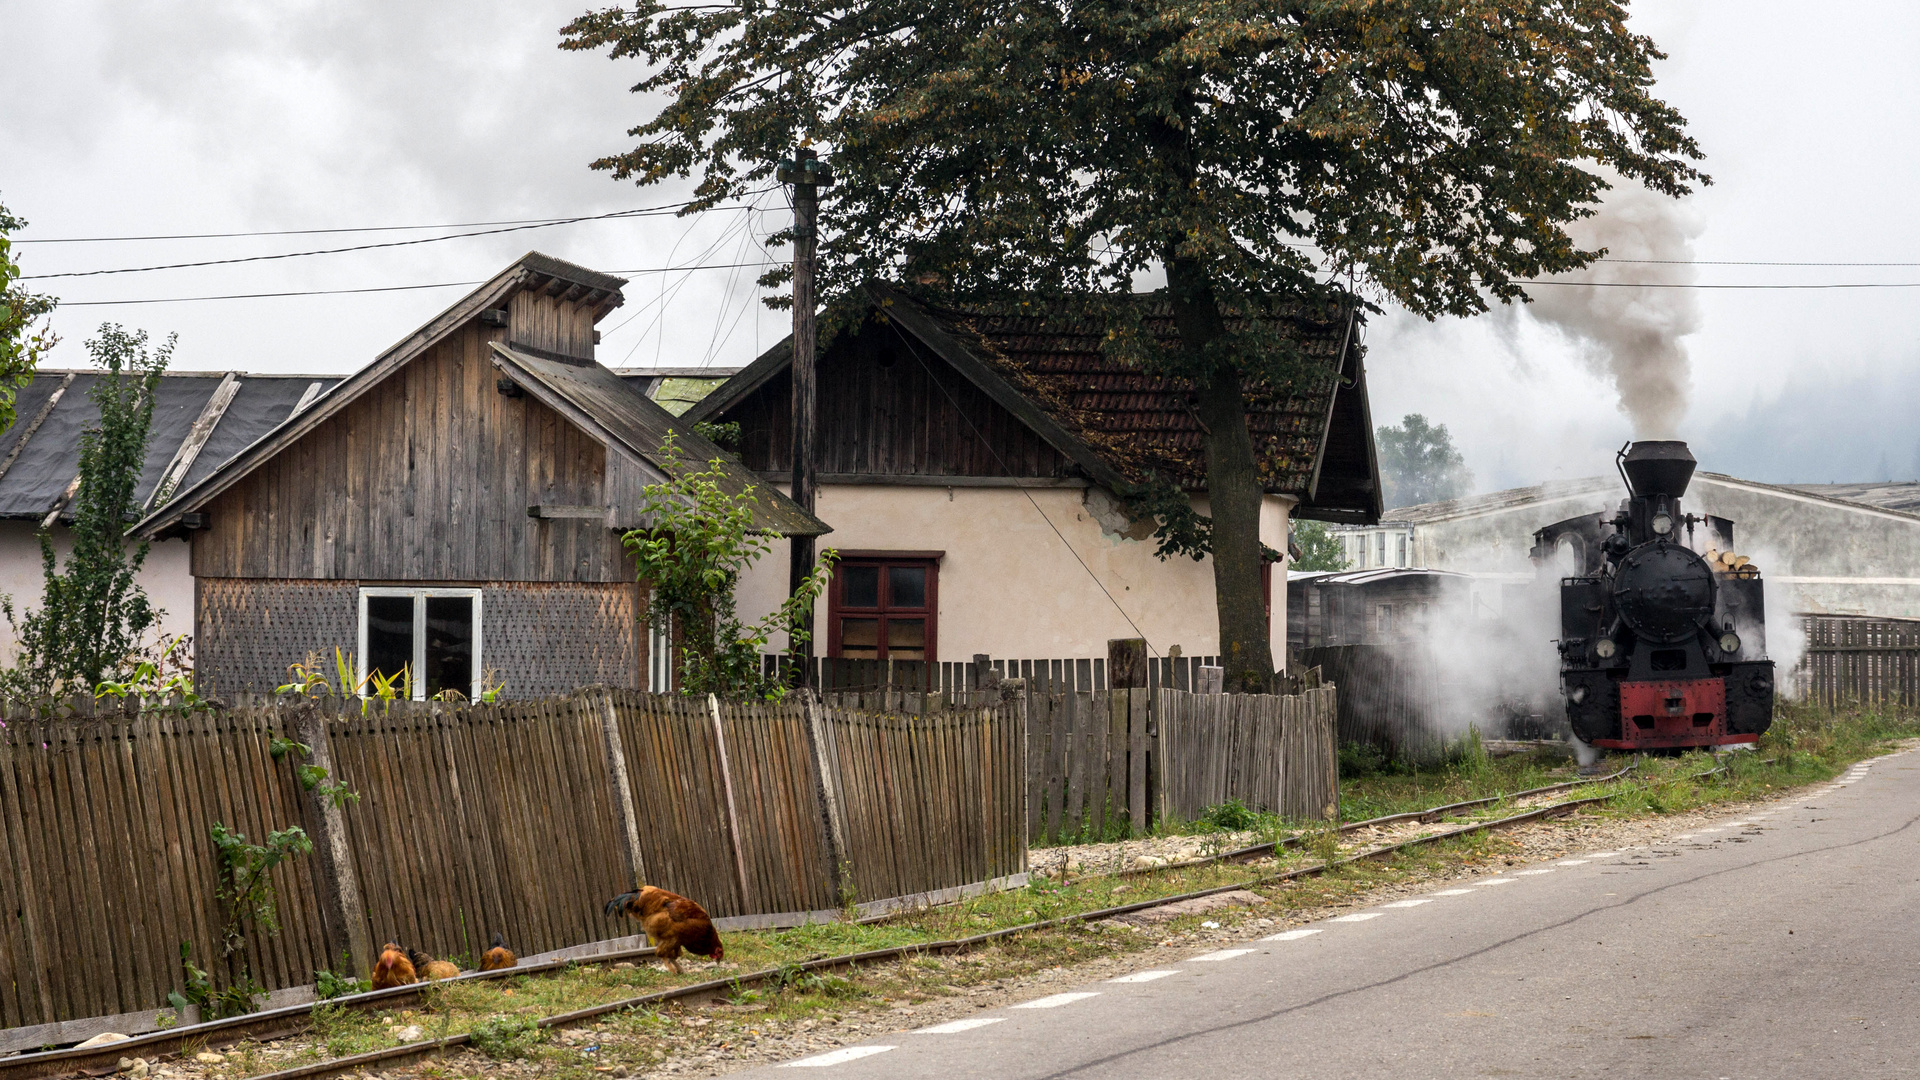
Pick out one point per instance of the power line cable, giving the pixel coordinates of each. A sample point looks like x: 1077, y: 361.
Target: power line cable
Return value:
x: 643, y: 212
x: 376, y: 288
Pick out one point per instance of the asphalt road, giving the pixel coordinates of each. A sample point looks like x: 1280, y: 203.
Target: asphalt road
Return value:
x: 1780, y: 944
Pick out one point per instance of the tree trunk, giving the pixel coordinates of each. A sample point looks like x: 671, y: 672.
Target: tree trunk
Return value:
x: 1233, y: 486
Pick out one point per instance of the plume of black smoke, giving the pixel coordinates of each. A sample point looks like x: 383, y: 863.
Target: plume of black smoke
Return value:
x: 1632, y: 335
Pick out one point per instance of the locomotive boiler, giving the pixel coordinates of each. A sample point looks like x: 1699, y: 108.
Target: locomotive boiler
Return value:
x: 1662, y: 628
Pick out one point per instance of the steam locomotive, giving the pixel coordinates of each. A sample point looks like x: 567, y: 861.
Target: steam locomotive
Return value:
x: 1662, y: 645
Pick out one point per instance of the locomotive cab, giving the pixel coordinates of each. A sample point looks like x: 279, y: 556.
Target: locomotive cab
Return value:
x: 1661, y: 645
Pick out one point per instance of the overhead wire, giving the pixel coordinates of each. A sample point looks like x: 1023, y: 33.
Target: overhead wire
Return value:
x: 375, y: 288
x: 650, y: 211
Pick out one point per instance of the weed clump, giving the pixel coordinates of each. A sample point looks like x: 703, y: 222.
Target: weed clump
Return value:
x: 504, y: 1038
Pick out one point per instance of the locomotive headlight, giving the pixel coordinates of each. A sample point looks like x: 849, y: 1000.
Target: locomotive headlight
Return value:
x: 1729, y: 642
x: 1662, y: 524
x: 1577, y: 695
x: 1604, y: 648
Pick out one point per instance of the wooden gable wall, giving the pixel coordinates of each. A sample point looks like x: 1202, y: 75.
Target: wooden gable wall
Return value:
x: 886, y: 412
x: 427, y: 477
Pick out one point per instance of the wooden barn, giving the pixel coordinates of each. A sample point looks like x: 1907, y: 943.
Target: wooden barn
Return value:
x: 454, y: 508
x: 971, y: 463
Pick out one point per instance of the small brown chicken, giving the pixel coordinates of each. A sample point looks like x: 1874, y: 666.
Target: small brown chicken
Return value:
x: 426, y: 967
x: 393, y: 968
x: 499, y: 956
x: 672, y: 922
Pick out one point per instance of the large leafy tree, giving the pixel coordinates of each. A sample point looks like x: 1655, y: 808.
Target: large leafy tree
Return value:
x: 1419, y: 464
x: 1430, y: 152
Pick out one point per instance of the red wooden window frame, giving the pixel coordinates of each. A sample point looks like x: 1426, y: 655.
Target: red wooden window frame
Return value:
x: 838, y: 611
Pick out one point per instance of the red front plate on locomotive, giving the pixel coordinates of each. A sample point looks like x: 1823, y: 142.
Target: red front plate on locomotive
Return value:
x: 1666, y: 713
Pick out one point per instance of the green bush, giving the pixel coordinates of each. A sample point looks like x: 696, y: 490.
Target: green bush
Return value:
x: 1232, y: 815
x: 1361, y: 760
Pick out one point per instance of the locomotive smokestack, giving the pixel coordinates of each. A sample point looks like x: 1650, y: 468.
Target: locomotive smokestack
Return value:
x: 1660, y: 467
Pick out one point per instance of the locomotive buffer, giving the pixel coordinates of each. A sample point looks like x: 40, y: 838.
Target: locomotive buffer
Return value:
x: 1660, y: 645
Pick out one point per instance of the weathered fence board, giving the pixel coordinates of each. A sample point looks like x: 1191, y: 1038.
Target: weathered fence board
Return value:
x: 1859, y: 659
x: 471, y: 820
x: 1108, y: 761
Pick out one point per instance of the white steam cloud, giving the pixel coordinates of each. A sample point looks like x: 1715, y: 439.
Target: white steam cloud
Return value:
x: 1632, y: 335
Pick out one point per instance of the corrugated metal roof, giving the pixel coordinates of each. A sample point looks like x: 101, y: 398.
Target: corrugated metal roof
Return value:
x: 49, y: 452
x: 642, y: 427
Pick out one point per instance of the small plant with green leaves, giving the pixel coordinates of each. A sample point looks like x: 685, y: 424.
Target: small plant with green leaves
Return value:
x: 504, y: 1038
x: 327, y: 985
x: 1232, y: 816
x: 246, y: 882
x: 162, y: 678
x: 692, y: 557
x: 312, y: 777
x: 214, y: 1004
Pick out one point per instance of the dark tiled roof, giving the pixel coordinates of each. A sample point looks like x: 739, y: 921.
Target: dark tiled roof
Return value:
x: 1141, y: 422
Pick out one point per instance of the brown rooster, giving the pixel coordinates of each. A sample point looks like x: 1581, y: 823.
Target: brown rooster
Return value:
x: 426, y: 967
x: 499, y: 956
x: 672, y: 923
x: 393, y: 968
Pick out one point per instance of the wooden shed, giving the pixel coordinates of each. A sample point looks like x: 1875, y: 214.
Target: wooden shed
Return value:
x: 455, y: 508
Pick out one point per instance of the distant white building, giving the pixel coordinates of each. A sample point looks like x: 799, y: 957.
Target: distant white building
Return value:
x: 1844, y: 549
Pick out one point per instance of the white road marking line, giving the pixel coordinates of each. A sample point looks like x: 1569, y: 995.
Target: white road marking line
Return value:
x: 1145, y: 976
x: 1738, y: 824
x: 1604, y: 855
x: 1453, y: 892
x: 1497, y: 881
x: 1534, y: 873
x: 850, y: 1053
x: 1571, y: 862
x: 1057, y: 1000
x: 1290, y: 935
x: 1684, y: 836
x: 1408, y: 903
x: 1358, y: 916
x: 955, y: 1026
x: 1713, y: 828
x: 1215, y: 957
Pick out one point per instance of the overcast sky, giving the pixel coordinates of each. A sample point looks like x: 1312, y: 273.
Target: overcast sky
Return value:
x: 127, y: 118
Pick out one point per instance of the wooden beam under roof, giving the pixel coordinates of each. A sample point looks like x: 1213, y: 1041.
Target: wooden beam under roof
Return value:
x: 197, y: 435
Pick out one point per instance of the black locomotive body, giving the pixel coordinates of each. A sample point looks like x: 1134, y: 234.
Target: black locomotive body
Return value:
x: 1661, y: 645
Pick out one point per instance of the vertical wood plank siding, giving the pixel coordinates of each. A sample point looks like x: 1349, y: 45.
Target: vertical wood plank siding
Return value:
x: 471, y: 820
x: 427, y: 478
x: 881, y: 413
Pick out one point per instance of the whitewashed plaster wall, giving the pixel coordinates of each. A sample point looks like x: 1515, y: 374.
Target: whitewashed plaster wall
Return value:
x: 1009, y: 586
x: 165, y: 576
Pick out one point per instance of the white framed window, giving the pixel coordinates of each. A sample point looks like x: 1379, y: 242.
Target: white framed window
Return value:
x: 432, y: 634
x: 659, y: 657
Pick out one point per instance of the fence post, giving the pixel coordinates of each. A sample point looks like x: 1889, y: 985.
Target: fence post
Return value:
x: 622, y: 784
x: 341, y: 911
x: 839, y: 871
x: 733, y: 815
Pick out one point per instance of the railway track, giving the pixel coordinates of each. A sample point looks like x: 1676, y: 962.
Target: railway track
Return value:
x: 296, y: 1019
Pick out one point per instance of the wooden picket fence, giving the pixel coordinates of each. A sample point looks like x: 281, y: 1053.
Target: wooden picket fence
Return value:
x: 1107, y: 762
x: 1390, y: 699
x: 954, y: 678
x: 521, y: 818
x: 1852, y: 658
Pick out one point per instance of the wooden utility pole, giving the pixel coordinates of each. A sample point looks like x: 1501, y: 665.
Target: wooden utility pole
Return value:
x: 808, y: 174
